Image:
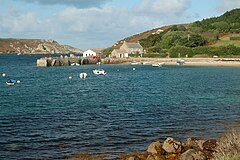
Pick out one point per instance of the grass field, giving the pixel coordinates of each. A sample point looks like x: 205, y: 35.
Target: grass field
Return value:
x: 225, y: 41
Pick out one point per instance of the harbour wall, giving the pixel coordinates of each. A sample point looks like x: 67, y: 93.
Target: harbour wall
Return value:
x: 67, y: 61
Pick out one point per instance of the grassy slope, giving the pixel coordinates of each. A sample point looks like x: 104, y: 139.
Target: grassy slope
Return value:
x: 225, y: 41
x: 140, y: 36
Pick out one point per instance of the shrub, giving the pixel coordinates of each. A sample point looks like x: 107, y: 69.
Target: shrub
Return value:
x: 154, y: 49
x: 135, y: 55
x: 156, y: 55
x: 180, y: 51
x: 235, y: 38
x: 108, y: 51
x: 228, y: 147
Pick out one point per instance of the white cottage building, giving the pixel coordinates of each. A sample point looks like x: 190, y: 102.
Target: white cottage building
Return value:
x: 132, y: 47
x: 89, y: 53
x: 127, y: 48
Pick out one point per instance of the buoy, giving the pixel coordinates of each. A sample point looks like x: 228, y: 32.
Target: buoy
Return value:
x: 18, y: 81
x: 70, y: 77
x: 83, y: 75
x: 134, y: 69
x: 4, y: 74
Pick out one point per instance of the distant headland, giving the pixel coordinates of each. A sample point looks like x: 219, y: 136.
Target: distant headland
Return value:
x: 34, y: 46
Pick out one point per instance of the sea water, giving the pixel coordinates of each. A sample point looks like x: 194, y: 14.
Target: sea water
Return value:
x: 48, y: 116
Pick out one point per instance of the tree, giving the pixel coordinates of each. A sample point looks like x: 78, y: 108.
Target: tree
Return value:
x: 221, y: 26
x: 108, y: 51
x: 197, y: 30
x: 195, y: 40
x: 180, y: 50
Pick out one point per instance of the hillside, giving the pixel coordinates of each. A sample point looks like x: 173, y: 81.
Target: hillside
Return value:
x: 228, y: 39
x: 140, y: 36
x: 34, y: 46
x: 200, y: 38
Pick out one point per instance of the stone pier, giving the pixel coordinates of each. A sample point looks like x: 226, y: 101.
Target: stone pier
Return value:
x: 67, y: 61
x: 46, y: 62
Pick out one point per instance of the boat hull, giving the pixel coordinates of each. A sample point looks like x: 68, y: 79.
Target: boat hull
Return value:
x: 99, y: 72
x: 157, y: 64
x: 83, y: 75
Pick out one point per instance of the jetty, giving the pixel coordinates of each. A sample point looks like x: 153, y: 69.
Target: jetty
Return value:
x: 79, y: 60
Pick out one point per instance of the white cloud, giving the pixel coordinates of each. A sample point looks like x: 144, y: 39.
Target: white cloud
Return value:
x: 20, y: 23
x: 94, y: 27
x: 76, y: 3
x: 167, y: 8
x: 102, y: 25
x: 226, y: 5
x: 97, y: 25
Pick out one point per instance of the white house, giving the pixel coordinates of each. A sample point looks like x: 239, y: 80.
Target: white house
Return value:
x: 89, y: 53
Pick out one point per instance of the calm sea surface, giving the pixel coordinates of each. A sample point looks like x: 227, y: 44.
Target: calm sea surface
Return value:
x: 47, y: 116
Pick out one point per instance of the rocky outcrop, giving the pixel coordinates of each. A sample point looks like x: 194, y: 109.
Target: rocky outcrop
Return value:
x: 34, y: 46
x: 192, y: 154
x: 155, y: 148
x: 171, y: 149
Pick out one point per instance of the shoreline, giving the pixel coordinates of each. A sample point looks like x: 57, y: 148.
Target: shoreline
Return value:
x: 67, y: 61
x: 225, y: 62
x: 172, y: 149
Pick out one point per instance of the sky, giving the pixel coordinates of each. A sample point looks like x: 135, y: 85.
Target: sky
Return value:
x: 87, y: 24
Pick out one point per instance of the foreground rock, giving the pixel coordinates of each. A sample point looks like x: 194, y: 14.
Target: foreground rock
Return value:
x: 171, y: 149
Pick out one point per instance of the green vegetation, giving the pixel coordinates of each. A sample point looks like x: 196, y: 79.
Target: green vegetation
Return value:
x: 214, y: 36
x: 237, y: 38
x: 230, y: 39
x: 108, y: 51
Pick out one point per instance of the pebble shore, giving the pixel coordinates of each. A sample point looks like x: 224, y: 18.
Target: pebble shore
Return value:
x: 231, y: 62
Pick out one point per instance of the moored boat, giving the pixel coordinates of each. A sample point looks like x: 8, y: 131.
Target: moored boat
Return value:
x: 99, y: 72
x: 157, y: 64
x: 180, y: 62
x: 83, y: 75
x: 134, y: 63
x: 11, y: 82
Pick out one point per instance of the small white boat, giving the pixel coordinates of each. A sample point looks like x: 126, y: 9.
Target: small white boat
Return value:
x: 134, y: 63
x: 11, y: 82
x: 83, y: 75
x: 180, y: 62
x: 145, y: 63
x: 75, y: 64
x: 99, y: 72
x: 157, y: 64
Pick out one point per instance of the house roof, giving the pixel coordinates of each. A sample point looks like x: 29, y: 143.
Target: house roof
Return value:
x: 97, y: 50
x: 133, y: 45
x: 89, y: 52
x: 120, y: 51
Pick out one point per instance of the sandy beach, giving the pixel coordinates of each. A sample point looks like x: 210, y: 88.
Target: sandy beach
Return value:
x: 231, y: 62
